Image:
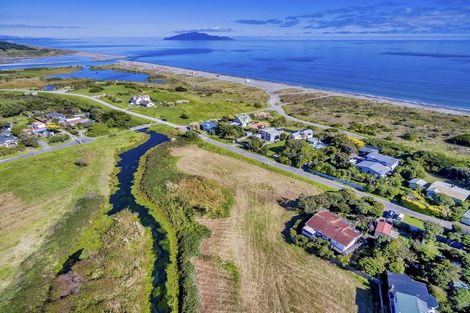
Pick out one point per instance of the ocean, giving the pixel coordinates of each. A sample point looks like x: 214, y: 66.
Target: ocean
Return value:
x: 434, y: 72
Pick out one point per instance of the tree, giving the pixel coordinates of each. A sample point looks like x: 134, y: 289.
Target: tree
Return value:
x: 231, y: 132
x: 373, y: 266
x: 344, y: 259
x: 397, y: 266
x: 443, y: 273
x: 29, y: 141
x: 461, y: 299
x: 432, y: 230
x: 191, y: 135
x: 254, y: 144
x: 443, y: 200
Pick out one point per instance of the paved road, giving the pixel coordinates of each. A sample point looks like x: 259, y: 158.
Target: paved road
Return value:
x: 330, y: 183
x: 48, y: 149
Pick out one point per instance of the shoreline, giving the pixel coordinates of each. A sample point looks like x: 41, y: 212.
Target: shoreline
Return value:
x: 272, y: 87
x: 94, y: 57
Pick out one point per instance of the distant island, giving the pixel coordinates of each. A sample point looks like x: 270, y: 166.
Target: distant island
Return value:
x: 197, y: 36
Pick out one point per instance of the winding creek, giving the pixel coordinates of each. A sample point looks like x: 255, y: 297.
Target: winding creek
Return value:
x: 124, y: 199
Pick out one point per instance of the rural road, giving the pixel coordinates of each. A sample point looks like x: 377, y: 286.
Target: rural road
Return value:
x: 330, y: 183
x: 48, y: 149
x: 327, y: 182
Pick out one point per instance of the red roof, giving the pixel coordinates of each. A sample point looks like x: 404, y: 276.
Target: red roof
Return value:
x: 383, y: 228
x: 333, y: 227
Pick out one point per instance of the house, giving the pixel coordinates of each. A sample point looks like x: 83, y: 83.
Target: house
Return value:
x: 374, y: 168
x: 417, y: 183
x: 466, y: 218
x: 456, y: 193
x: 7, y: 139
x: 458, y: 284
x: 385, y: 160
x: 144, y: 101
x: 316, y: 143
x: 341, y: 235
x: 55, y: 116
x: 39, y: 128
x: 384, y: 228
x: 364, y: 151
x: 243, y: 120
x: 74, y: 121
x: 209, y: 126
x: 302, y: 134
x: 409, y: 296
x: 270, y: 134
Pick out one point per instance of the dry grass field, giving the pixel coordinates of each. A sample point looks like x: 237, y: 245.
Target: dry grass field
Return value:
x: 415, y: 127
x: 271, y: 276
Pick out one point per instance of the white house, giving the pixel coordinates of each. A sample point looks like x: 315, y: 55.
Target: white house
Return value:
x: 341, y: 235
x: 456, y: 193
x: 144, y: 101
x: 243, y: 120
x: 302, y: 134
x: 270, y: 134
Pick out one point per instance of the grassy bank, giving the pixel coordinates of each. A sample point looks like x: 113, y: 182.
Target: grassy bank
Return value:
x: 167, y: 192
x: 45, y: 204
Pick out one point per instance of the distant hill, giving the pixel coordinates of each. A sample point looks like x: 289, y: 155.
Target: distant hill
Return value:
x: 14, y: 50
x: 197, y: 36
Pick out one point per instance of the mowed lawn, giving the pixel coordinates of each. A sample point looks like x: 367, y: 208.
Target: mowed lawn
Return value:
x: 200, y: 107
x: 35, y: 193
x: 273, y: 275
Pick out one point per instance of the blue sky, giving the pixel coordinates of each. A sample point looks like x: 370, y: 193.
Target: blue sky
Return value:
x: 294, y: 18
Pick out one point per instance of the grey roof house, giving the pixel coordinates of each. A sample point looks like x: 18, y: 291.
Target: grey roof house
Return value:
x: 368, y: 149
x: 270, y: 134
x: 374, y: 168
x: 417, y: 183
x: 409, y: 296
x: 242, y: 120
x: 383, y: 159
x: 7, y: 139
x: 456, y: 193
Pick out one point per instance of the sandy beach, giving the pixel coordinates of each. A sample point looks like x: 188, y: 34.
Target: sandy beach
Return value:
x: 272, y: 88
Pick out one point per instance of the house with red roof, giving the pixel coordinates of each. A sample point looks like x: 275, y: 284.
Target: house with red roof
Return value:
x: 384, y: 228
x: 329, y: 226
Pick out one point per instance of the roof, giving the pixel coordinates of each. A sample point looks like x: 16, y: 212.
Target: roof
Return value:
x: 383, y: 228
x: 410, y: 304
x: 459, y: 284
x: 467, y: 214
x: 209, y: 124
x: 271, y: 131
x: 418, y: 181
x: 5, y: 137
x: 368, y: 149
x: 303, y: 132
x: 384, y: 159
x: 375, y: 166
x: 333, y: 227
x: 243, y: 118
x: 450, y: 190
x: 54, y: 115
x: 402, y: 283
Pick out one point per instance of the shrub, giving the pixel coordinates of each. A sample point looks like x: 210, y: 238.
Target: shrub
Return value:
x: 180, y: 89
x: 184, y: 116
x: 98, y: 129
x: 58, y: 138
x: 95, y: 89
x: 81, y: 163
x: 462, y: 140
